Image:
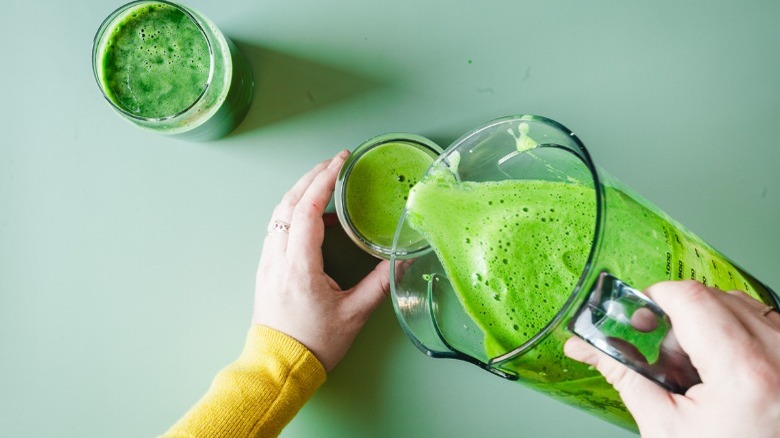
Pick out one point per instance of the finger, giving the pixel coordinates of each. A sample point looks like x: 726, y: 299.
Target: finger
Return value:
x: 371, y: 290
x: 755, y: 315
x: 276, y: 241
x: 773, y: 316
x: 702, y: 323
x: 307, y: 227
x: 747, y: 299
x: 646, y: 400
x: 284, y: 210
x: 769, y: 312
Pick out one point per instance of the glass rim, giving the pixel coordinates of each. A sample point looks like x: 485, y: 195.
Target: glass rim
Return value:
x: 96, y: 53
x: 366, y: 244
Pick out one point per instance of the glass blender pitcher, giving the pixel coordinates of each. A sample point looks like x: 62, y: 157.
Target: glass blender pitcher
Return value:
x: 531, y: 243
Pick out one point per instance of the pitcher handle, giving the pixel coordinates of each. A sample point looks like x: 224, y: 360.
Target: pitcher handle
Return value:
x: 627, y: 325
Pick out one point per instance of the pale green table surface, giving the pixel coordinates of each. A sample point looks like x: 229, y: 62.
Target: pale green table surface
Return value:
x: 127, y: 259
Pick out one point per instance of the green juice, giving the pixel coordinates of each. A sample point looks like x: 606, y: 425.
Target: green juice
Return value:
x: 499, y: 244
x: 168, y: 68
x: 514, y: 250
x: 377, y: 188
x: 157, y: 62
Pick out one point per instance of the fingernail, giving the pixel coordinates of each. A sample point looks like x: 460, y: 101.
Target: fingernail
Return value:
x: 336, y: 161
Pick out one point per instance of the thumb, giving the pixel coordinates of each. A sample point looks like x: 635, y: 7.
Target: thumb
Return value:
x: 646, y: 400
x: 372, y: 289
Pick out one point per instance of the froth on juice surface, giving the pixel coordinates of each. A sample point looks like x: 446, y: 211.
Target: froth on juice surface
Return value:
x: 378, y: 187
x: 513, y: 250
x: 156, y: 61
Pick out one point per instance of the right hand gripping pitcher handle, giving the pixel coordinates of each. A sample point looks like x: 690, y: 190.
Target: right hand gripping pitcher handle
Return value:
x: 627, y: 325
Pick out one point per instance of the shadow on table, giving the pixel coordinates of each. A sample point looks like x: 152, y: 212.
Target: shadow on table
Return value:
x: 288, y: 86
x: 344, y: 261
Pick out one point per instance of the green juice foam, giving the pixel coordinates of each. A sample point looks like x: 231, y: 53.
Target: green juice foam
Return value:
x: 514, y: 251
x: 378, y: 187
x: 156, y: 61
x: 169, y: 69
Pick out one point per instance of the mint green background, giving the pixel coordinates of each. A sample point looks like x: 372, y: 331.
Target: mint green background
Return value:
x: 127, y: 259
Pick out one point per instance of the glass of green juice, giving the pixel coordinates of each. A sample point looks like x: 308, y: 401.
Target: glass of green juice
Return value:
x: 167, y: 68
x: 531, y: 244
x: 372, y: 188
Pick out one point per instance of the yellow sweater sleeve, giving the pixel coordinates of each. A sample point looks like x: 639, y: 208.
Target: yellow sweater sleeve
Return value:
x: 258, y: 394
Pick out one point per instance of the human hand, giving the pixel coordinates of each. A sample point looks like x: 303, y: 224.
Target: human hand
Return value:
x: 293, y: 294
x: 734, y: 345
